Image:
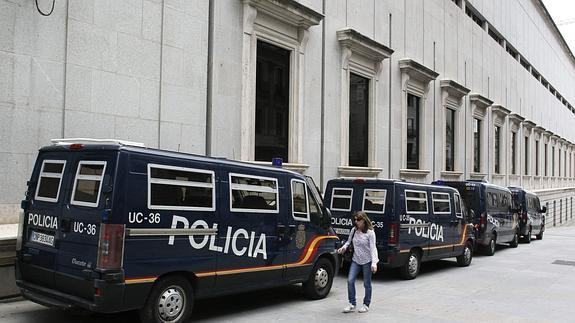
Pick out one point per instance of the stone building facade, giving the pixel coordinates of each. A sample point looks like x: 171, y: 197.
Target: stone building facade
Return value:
x: 413, y: 89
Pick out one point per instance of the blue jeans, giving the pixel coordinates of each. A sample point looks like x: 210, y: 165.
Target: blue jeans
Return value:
x: 353, y: 272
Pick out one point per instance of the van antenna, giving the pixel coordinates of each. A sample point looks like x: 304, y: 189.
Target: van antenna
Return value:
x: 178, y: 147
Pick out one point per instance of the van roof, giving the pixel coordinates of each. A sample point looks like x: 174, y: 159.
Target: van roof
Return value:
x: 517, y: 188
x: 474, y: 183
x: 387, y: 181
x: 115, y: 145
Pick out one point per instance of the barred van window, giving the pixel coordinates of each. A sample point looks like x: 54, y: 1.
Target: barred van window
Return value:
x: 50, y: 179
x: 88, y: 183
x: 254, y: 194
x: 341, y: 199
x: 441, y: 203
x: 180, y: 188
x: 416, y: 201
x: 374, y: 201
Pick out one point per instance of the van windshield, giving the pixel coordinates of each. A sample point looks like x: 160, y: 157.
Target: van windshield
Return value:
x: 314, y: 190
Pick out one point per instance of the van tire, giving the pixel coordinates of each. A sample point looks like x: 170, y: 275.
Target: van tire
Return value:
x: 527, y: 238
x: 320, y: 280
x: 174, y: 288
x: 410, y: 269
x: 489, y: 250
x: 465, y: 258
x: 515, y: 242
x: 540, y: 235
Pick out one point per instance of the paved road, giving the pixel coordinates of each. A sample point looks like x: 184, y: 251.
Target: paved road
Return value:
x: 515, y: 285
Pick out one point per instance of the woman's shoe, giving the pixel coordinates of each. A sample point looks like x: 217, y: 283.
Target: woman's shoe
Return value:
x: 364, y: 309
x: 349, y: 308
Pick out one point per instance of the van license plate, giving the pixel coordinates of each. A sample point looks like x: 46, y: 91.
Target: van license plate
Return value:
x: 342, y: 231
x: 42, y: 238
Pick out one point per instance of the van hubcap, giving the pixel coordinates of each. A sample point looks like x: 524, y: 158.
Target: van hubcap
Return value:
x: 171, y: 303
x: 467, y: 254
x: 413, y: 263
x: 492, y: 246
x: 321, y: 278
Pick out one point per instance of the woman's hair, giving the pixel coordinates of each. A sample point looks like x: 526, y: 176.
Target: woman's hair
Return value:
x: 360, y: 215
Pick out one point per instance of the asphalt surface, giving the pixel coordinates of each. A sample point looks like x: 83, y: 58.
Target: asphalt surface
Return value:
x: 515, y: 285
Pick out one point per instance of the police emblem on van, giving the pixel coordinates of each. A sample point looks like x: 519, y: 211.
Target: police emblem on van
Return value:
x: 300, y: 236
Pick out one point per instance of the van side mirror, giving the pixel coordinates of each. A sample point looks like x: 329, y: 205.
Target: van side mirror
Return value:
x: 471, y: 216
x: 544, y: 209
x: 326, y: 217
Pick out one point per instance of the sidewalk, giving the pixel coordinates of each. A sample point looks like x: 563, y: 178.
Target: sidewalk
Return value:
x: 8, y: 231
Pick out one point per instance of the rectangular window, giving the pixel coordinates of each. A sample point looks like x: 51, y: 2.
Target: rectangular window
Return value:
x: 513, y: 153
x: 526, y: 155
x: 412, y: 131
x: 416, y: 202
x: 272, y: 102
x: 553, y: 161
x: 476, y: 145
x: 180, y: 188
x: 358, y: 120
x: 374, y: 201
x: 458, y: 207
x: 565, y: 164
x: 50, y: 179
x: 441, y: 203
x: 299, y: 200
x: 449, y: 139
x: 88, y: 182
x: 546, y: 160
x: 497, y: 150
x: 341, y: 199
x: 537, y: 173
x: 253, y: 194
x: 559, y: 166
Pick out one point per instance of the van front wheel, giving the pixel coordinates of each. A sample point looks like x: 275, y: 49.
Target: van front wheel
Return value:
x: 171, y: 300
x: 464, y: 259
x: 320, y: 280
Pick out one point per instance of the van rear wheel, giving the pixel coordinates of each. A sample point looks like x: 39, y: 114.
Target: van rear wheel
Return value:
x: 490, y: 248
x: 171, y: 300
x: 515, y: 242
x: 410, y: 269
x: 527, y: 238
x: 464, y: 259
x: 320, y: 280
x: 540, y: 235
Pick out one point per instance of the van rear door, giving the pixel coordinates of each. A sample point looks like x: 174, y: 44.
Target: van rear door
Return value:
x: 71, y: 192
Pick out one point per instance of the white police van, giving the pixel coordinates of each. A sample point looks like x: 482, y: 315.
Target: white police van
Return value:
x: 413, y: 223
x: 112, y: 226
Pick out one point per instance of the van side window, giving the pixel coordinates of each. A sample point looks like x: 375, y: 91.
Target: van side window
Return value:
x: 441, y: 203
x: 416, y: 201
x: 180, y: 188
x: 314, y: 210
x: 299, y: 200
x: 341, y: 199
x: 374, y: 201
x: 253, y: 194
x: 458, y: 206
x: 88, y: 182
x: 50, y: 179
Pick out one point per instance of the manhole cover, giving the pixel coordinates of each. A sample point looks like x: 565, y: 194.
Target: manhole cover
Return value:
x: 564, y: 262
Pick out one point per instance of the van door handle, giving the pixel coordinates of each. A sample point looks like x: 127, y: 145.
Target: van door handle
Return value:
x: 292, y: 229
x: 280, y: 231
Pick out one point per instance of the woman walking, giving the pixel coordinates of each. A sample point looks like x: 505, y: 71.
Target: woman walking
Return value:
x: 364, y: 259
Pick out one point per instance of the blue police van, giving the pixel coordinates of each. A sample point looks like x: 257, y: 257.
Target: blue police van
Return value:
x: 531, y: 215
x: 413, y: 223
x: 111, y: 226
x: 494, y: 212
